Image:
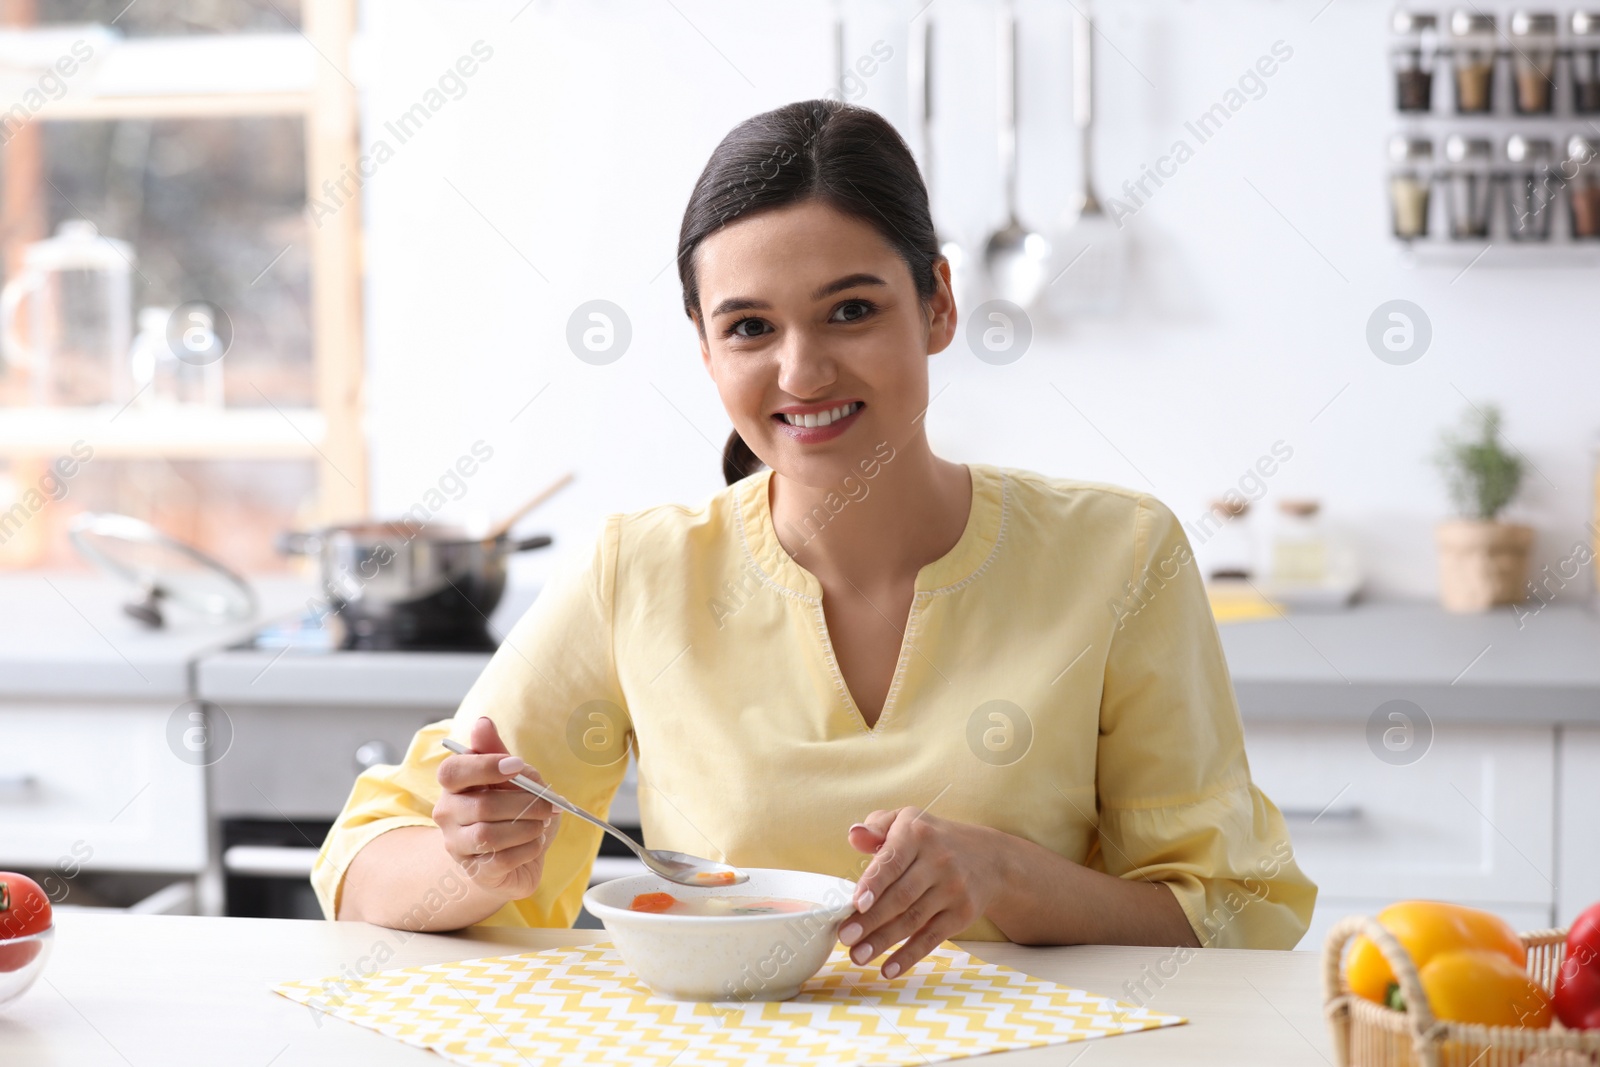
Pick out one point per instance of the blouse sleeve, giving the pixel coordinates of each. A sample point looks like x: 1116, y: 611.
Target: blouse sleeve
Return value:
x: 552, y: 691
x: 1176, y: 801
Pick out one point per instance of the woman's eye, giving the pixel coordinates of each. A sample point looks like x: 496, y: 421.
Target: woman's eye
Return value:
x: 748, y: 328
x: 853, y: 311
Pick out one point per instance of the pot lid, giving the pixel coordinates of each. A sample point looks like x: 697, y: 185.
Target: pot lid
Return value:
x: 161, y: 567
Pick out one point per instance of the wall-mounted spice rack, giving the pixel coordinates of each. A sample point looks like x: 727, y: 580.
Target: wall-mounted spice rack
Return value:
x: 1499, y: 136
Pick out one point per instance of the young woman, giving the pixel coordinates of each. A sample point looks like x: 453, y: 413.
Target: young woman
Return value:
x: 995, y: 699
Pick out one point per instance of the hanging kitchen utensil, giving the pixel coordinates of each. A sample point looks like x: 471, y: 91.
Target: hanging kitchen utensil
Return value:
x: 949, y: 247
x: 1089, y: 252
x: 161, y: 568
x: 504, y: 526
x: 1015, y: 257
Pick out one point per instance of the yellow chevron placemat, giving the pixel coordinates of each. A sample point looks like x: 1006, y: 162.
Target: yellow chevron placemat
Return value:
x: 565, y: 1007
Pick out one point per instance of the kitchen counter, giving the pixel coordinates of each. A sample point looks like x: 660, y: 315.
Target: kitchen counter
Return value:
x: 1527, y: 666
x: 65, y: 635
x: 264, y: 676
x: 134, y: 989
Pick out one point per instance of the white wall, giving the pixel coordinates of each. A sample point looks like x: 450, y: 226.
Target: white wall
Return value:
x: 575, y: 146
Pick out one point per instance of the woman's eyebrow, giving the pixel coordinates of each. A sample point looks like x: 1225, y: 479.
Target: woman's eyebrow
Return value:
x: 849, y: 281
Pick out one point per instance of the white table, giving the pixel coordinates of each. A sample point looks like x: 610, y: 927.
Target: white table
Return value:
x: 146, y: 990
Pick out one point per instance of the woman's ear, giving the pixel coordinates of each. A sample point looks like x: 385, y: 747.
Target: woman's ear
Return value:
x: 941, y: 309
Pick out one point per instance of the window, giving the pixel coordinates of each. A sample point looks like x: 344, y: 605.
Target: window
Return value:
x: 187, y: 134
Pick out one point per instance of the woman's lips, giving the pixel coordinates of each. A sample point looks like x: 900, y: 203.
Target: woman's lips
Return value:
x: 811, y: 435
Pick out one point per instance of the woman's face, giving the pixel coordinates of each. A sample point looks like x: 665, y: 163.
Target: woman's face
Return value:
x: 807, y: 316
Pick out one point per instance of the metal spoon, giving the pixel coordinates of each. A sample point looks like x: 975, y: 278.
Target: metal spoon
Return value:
x: 1015, y: 256
x: 673, y: 866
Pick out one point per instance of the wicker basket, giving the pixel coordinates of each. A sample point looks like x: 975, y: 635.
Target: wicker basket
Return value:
x: 1372, y: 1035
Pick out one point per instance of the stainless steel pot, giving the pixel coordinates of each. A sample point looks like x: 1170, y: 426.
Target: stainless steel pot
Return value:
x: 417, y: 585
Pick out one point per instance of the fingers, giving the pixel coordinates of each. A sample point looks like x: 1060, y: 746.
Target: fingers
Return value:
x: 863, y: 838
x: 922, y: 942
x: 892, y: 857
x: 477, y: 770
x: 490, y: 805
x: 905, y: 906
x: 878, y: 822
x: 485, y: 737
x: 481, y: 838
x: 495, y: 867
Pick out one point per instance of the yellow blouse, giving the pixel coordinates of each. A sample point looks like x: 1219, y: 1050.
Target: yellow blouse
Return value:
x: 1060, y: 679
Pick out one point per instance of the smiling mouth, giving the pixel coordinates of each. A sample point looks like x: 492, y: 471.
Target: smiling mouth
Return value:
x: 821, y: 418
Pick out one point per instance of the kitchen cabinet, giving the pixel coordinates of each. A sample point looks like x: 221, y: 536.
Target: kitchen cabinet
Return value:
x: 1578, y: 824
x: 1471, y: 820
x: 100, y: 786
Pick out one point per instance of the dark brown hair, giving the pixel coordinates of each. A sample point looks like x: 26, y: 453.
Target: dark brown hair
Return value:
x: 849, y: 157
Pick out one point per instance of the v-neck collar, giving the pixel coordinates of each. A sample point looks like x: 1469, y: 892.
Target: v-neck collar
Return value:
x: 979, y: 540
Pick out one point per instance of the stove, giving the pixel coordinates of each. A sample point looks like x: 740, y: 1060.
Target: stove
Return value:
x: 317, y: 632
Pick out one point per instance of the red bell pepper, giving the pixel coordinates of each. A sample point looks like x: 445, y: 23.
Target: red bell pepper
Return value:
x: 1577, y: 993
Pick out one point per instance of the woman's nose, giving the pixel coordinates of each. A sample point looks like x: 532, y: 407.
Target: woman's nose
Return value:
x: 805, y: 368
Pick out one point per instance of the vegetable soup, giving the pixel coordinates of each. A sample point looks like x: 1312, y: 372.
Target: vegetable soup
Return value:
x: 667, y: 904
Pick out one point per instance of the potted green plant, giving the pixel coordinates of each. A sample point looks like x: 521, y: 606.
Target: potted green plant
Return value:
x: 1482, y: 561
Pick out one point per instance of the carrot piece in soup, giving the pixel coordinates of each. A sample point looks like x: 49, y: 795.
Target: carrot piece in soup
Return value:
x: 714, y: 877
x: 653, y: 902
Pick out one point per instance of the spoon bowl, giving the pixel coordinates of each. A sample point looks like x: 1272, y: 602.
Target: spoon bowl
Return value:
x: 1015, y: 257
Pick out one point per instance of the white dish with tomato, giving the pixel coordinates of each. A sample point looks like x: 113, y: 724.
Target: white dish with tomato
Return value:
x: 26, y: 933
x: 760, y: 940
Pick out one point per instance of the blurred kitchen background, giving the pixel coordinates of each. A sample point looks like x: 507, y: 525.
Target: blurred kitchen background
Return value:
x: 273, y: 265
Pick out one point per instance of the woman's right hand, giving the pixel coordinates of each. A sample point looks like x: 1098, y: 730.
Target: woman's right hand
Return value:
x: 496, y: 832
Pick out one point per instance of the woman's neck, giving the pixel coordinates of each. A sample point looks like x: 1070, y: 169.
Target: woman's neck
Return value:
x: 869, y: 530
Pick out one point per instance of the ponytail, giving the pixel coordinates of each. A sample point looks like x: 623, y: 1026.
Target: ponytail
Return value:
x: 737, y: 459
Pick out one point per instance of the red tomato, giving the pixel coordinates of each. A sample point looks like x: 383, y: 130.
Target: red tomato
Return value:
x: 24, y: 908
x: 15, y: 955
x: 1577, y: 997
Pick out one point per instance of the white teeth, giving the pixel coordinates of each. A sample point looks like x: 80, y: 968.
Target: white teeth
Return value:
x: 822, y: 418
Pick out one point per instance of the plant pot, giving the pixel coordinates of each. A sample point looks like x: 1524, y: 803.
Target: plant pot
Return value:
x: 1482, y: 564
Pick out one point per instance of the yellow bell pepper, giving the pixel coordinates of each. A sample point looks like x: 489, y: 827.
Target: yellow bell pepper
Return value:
x: 1480, y: 986
x: 1427, y: 929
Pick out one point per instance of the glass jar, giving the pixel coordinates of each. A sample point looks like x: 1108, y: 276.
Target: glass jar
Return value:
x: 1533, y: 61
x: 1416, y: 44
x: 1582, y: 174
x: 1585, y: 62
x: 1230, y: 551
x: 1468, y: 186
x: 1530, y: 187
x: 1299, y: 548
x: 1409, y: 185
x: 1472, y: 51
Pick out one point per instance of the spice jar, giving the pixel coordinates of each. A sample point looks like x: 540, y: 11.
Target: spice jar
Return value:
x: 1468, y: 185
x: 1585, y: 62
x: 1533, y: 61
x: 1416, y: 42
x: 1230, y: 552
x: 1409, y: 183
x: 1299, y: 546
x: 1472, y: 48
x: 1530, y: 187
x: 1582, y: 174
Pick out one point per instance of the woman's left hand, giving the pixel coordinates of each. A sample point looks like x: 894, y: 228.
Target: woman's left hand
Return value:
x: 929, y: 878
